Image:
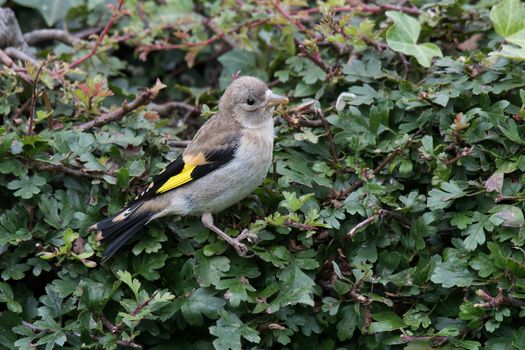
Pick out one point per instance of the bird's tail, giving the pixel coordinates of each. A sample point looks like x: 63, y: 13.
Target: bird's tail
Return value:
x: 121, y: 227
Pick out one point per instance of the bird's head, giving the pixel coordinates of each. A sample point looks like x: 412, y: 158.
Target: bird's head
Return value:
x: 249, y: 101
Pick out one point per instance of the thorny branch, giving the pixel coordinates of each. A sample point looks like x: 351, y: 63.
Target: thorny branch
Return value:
x: 117, y: 12
x: 143, y: 99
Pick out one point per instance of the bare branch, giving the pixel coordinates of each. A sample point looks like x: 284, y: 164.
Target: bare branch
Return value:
x: 361, y: 225
x: 497, y: 301
x: 143, y: 99
x: 168, y: 107
x: 40, y: 35
x: 15, y: 53
x: 60, y: 168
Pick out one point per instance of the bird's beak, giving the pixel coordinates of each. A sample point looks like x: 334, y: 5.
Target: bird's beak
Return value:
x: 274, y: 99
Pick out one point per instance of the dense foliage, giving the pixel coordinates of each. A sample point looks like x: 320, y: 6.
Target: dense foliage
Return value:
x: 392, y: 218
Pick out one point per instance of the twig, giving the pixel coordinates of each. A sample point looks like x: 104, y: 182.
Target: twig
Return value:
x: 117, y: 12
x: 145, y: 50
x: 124, y: 343
x: 120, y: 327
x: 404, y: 61
x: 289, y: 18
x: 464, y: 153
x: 15, y: 53
x: 439, y: 339
x: 497, y: 301
x: 397, y: 216
x: 361, y: 225
x: 180, y: 144
x: 8, y: 62
x: 315, y: 57
x: 502, y: 198
x: 364, y: 8
x: 37, y: 36
x: 320, y: 114
x: 301, y: 226
x: 66, y: 170
x: 143, y: 99
x: 33, y: 97
x: 168, y: 107
x: 378, y: 169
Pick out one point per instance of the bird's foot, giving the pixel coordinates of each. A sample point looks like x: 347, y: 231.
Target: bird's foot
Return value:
x: 239, y: 247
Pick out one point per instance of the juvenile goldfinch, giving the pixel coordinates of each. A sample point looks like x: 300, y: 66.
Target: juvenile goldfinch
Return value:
x: 227, y: 159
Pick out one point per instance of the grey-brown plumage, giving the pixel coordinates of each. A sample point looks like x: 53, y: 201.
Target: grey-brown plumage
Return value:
x: 228, y: 158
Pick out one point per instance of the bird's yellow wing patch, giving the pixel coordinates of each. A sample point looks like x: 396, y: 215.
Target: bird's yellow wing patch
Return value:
x: 178, y: 180
x: 190, y: 163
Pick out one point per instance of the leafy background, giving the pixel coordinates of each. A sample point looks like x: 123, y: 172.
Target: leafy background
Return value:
x: 392, y: 217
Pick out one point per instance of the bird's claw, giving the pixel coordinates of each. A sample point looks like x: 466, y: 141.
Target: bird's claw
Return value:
x: 239, y: 247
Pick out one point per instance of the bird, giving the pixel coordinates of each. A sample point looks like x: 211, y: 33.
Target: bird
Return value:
x: 228, y: 158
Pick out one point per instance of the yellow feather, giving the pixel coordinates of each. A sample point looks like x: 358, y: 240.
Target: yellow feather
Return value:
x: 179, y: 179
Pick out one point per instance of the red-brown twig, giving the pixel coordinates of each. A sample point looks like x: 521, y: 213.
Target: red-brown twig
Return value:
x: 374, y: 9
x: 289, y: 18
x: 117, y: 12
x: 120, y: 326
x: 143, y: 99
x: 464, y: 153
x: 146, y: 49
x: 8, y: 62
x: 497, y: 301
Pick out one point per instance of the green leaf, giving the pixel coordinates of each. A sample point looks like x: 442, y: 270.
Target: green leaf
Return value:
x: 210, y: 269
x: 441, y: 199
x: 508, y: 18
x: 26, y: 187
x: 403, y: 36
x: 386, y: 321
x: 452, y: 273
x: 201, y: 302
x: 132, y: 283
x: 6, y: 296
x: 52, y: 10
x: 229, y: 329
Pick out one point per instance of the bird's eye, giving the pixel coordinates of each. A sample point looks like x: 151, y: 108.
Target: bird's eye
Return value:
x: 250, y: 101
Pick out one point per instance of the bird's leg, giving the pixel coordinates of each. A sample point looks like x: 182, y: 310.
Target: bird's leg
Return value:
x: 240, y: 248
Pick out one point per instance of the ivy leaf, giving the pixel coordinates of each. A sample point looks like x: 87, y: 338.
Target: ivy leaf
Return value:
x: 508, y: 18
x: 403, y: 35
x: 229, y: 329
x: 26, y: 187
x: 51, y: 10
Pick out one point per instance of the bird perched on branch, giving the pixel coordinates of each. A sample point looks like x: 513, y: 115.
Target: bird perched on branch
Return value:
x: 228, y: 158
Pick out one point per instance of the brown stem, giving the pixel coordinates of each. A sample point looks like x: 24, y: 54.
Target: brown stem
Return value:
x: 146, y: 49
x: 180, y: 143
x: 497, y: 301
x: 379, y: 168
x: 361, y: 225
x: 464, y: 153
x: 60, y: 168
x: 8, y: 62
x: 37, y: 36
x: 143, y: 99
x: 168, y: 107
x: 20, y: 55
x: 333, y: 150
x: 117, y: 12
x: 301, y: 226
x: 120, y: 327
x: 419, y: 338
x: 33, y: 98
